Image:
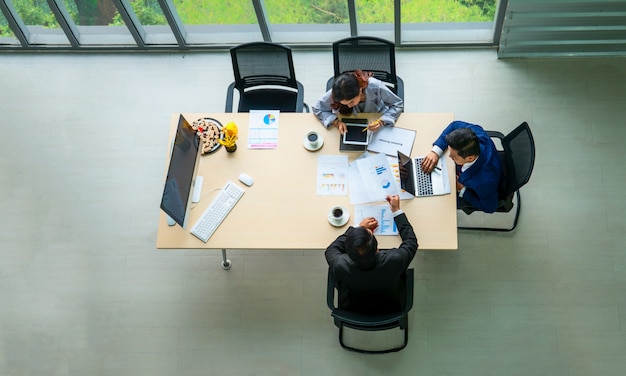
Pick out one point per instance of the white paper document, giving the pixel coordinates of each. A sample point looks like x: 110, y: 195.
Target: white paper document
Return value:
x: 371, y: 180
x: 388, y: 140
x: 382, y: 213
x: 332, y: 175
x: 263, y: 129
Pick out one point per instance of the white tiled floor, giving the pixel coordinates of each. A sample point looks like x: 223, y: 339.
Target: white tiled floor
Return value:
x: 83, y: 290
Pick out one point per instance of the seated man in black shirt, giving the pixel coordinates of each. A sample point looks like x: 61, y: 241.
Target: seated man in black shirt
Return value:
x: 370, y: 280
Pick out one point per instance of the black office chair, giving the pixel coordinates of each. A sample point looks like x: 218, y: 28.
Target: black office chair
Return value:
x: 518, y: 160
x: 265, y: 79
x: 366, y: 322
x: 369, y: 54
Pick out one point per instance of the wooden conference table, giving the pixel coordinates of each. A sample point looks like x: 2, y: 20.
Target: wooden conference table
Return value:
x: 282, y: 210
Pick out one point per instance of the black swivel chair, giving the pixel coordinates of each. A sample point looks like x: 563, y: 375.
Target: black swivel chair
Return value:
x: 366, y: 322
x: 369, y: 54
x: 518, y: 159
x: 265, y: 79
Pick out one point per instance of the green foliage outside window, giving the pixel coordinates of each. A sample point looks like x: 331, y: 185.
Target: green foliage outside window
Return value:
x: 147, y: 11
x: 233, y: 12
x: 32, y: 12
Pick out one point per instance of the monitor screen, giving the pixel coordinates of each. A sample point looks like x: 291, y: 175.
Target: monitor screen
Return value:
x: 179, y: 181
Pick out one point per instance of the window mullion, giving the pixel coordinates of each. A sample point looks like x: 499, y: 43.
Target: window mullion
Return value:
x: 65, y: 21
x: 16, y: 24
x: 177, y: 26
x: 261, y: 15
x: 131, y: 21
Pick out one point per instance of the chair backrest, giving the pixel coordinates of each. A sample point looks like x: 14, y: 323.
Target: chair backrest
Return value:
x: 371, y: 322
x: 263, y: 63
x: 370, y: 54
x: 519, y: 157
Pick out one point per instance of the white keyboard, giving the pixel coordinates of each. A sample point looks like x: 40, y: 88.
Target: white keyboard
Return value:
x: 217, y: 210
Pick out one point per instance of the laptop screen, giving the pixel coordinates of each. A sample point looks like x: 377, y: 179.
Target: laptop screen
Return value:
x: 405, y: 167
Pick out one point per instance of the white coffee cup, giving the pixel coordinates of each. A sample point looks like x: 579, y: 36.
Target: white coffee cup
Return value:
x: 313, y: 138
x: 336, y: 213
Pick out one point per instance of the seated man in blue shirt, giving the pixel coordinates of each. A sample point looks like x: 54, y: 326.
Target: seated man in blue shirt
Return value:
x: 479, y: 168
x: 370, y: 280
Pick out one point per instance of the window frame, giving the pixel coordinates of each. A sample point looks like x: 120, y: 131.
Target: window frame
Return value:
x: 300, y: 34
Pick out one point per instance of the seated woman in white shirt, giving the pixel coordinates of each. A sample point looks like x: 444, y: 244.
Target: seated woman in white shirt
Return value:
x: 356, y: 92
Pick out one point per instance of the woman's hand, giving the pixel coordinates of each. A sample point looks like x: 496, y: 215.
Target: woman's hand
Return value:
x: 375, y: 125
x: 341, y: 126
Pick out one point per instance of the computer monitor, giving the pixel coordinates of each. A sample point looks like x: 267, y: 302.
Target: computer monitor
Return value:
x: 181, y: 171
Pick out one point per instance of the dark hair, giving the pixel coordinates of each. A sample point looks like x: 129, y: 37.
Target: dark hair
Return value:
x: 361, y: 246
x: 347, y: 86
x: 464, y: 141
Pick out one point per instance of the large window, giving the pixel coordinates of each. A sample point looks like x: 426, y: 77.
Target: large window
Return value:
x: 457, y: 22
x: 207, y: 24
x: 218, y: 22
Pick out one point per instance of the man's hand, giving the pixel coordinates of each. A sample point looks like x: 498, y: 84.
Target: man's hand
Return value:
x: 341, y: 126
x: 429, y: 162
x: 459, y: 186
x: 394, y: 202
x: 369, y: 223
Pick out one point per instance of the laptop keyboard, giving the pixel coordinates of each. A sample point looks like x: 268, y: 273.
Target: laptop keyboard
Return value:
x: 423, y: 180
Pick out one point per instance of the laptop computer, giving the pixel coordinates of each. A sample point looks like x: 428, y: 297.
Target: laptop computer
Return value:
x: 355, y: 139
x: 418, y: 183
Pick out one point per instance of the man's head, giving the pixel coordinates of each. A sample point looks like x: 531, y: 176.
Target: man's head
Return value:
x: 463, y: 145
x: 361, y: 246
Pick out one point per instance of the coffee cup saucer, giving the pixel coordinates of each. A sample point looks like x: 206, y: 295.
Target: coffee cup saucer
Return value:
x: 338, y: 222
x: 307, y: 144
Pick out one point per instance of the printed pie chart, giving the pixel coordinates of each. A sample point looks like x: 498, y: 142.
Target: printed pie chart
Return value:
x: 269, y: 119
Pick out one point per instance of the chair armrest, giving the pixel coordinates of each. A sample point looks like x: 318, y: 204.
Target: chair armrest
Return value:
x: 410, y: 283
x: 495, y: 134
x: 330, y: 291
x: 329, y: 83
x: 400, y: 88
x: 300, y: 98
x: 229, y: 97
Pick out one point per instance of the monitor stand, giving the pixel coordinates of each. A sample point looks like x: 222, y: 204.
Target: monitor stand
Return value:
x: 197, y: 189
x: 170, y: 221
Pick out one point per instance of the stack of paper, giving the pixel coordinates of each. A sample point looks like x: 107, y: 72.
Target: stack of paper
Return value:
x: 371, y: 179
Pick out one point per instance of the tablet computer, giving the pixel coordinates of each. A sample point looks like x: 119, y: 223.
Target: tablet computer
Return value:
x: 356, y: 132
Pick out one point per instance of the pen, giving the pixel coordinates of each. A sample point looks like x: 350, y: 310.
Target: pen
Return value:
x: 368, y: 127
x: 437, y: 168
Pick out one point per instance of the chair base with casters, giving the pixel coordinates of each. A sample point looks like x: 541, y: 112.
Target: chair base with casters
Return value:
x: 364, y: 322
x: 518, y: 160
x: 504, y: 219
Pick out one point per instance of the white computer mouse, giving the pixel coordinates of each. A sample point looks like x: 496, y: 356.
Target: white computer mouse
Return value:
x: 246, y: 179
